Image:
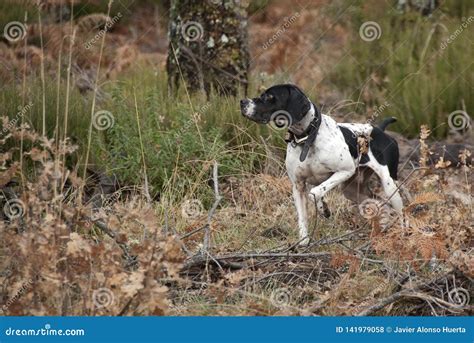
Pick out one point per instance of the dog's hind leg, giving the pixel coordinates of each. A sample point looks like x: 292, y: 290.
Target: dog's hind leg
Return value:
x: 356, y: 188
x: 388, y: 184
x: 299, y: 195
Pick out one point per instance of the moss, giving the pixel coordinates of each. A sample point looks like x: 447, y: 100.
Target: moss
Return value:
x: 203, y: 60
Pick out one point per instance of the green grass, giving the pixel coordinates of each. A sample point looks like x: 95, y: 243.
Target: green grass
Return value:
x: 407, y: 68
x: 11, y: 10
x: 421, y: 85
x: 15, y: 10
x: 181, y: 136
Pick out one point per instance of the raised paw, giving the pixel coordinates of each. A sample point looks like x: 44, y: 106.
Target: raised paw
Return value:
x: 316, y: 194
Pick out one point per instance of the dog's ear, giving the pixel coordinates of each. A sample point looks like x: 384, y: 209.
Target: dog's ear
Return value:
x: 298, y: 103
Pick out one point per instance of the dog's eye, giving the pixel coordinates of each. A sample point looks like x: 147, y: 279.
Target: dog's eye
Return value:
x: 269, y: 97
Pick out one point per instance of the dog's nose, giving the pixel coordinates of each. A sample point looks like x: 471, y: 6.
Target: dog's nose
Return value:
x: 244, y: 102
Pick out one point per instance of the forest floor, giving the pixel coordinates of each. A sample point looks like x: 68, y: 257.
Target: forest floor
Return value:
x: 233, y: 252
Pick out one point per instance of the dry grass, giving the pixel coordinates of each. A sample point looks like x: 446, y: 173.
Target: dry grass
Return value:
x: 55, y: 263
x: 130, y: 255
x: 129, y: 252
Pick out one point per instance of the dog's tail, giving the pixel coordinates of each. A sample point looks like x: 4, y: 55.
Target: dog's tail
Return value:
x: 386, y: 122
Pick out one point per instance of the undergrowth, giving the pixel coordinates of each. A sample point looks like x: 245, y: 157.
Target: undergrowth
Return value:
x: 140, y: 250
x: 131, y: 256
x: 409, y: 71
x: 55, y: 263
x: 181, y: 135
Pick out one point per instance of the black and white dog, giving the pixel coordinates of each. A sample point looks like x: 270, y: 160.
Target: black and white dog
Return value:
x: 322, y: 154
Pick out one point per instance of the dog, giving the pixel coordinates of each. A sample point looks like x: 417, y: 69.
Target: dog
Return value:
x: 322, y: 154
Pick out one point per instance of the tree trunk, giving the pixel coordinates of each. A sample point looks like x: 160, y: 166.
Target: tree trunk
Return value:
x: 208, y: 46
x: 425, y: 7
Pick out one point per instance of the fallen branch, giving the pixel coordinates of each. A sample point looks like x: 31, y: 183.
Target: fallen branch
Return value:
x: 131, y: 261
x: 199, y: 260
x: 409, y: 294
x: 414, y: 292
x: 382, y: 303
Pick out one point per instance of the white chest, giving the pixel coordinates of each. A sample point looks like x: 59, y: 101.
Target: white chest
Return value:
x: 328, y: 154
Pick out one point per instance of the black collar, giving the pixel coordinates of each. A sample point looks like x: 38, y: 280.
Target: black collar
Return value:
x: 306, y: 138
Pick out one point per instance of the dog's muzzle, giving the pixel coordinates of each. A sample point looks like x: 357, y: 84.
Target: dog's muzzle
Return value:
x: 247, y: 107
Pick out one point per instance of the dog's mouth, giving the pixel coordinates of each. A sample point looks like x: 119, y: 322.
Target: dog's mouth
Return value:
x: 248, y: 110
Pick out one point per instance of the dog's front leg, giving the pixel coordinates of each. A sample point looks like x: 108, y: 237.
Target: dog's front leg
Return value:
x: 335, y: 179
x: 299, y: 195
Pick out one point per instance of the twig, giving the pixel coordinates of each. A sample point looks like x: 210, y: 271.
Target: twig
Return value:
x: 225, y: 72
x: 414, y: 291
x: 142, y: 150
x: 217, y: 200
x: 382, y: 303
x: 198, y: 67
x: 200, y: 259
x: 131, y: 260
x: 408, y: 294
x: 190, y: 233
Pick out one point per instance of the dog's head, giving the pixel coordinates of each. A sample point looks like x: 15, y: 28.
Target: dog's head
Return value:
x: 275, y: 104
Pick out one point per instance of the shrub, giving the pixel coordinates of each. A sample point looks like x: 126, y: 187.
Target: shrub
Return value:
x: 411, y: 69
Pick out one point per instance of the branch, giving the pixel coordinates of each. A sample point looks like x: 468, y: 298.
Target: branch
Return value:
x: 407, y: 294
x: 224, y: 260
x: 192, y: 55
x: 414, y: 291
x: 382, y: 303
x: 131, y: 260
x: 218, y: 198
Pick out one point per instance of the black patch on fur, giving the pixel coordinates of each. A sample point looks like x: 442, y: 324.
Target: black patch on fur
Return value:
x: 286, y: 97
x: 385, y: 150
x: 364, y: 159
x: 351, y: 141
x: 297, y: 104
x: 383, y: 147
x: 386, y: 122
